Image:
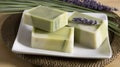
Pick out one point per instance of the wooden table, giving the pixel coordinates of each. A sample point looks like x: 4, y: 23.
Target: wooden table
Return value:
x: 8, y: 59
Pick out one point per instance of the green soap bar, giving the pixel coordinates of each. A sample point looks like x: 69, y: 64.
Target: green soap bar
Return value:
x: 60, y: 40
x: 91, y: 36
x: 45, y: 18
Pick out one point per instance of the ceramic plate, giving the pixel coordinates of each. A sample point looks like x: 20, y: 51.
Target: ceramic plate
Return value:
x: 23, y: 41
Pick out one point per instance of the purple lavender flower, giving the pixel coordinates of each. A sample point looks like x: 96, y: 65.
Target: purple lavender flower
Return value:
x: 84, y: 21
x: 90, y: 22
x: 95, y: 22
x: 92, y: 4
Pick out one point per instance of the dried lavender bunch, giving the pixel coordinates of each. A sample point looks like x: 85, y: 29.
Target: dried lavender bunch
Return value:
x: 85, y: 21
x: 92, y: 4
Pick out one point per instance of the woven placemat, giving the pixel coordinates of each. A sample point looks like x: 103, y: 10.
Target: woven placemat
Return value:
x: 9, y: 30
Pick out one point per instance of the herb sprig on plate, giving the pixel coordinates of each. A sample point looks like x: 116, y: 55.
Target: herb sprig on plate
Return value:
x: 85, y: 21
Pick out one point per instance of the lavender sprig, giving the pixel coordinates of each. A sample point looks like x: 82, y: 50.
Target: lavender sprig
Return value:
x: 92, y: 4
x: 85, y: 21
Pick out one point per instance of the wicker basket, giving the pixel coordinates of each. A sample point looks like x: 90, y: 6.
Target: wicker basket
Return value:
x: 9, y: 30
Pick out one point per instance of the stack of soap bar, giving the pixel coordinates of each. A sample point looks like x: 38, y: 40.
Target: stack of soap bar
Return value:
x: 60, y: 40
x: 45, y: 18
x: 89, y: 35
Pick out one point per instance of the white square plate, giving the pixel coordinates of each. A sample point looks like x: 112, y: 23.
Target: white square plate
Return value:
x: 23, y: 41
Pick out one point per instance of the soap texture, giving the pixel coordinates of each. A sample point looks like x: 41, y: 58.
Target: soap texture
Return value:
x: 45, y: 18
x: 91, y: 36
x: 61, y: 40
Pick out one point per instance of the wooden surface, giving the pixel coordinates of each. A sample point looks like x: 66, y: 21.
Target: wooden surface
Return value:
x: 8, y: 59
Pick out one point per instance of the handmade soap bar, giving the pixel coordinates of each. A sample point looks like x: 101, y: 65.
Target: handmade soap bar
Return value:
x: 61, y: 40
x: 90, y: 34
x: 45, y: 18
